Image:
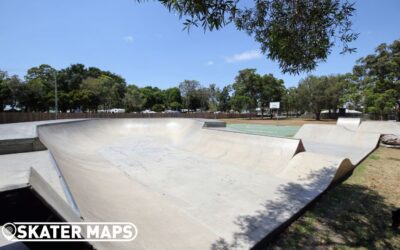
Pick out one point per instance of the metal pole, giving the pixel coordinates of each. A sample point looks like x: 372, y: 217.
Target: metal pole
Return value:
x: 55, y: 92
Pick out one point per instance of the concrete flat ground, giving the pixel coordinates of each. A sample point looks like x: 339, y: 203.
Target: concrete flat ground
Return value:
x: 24, y: 130
x: 15, y: 170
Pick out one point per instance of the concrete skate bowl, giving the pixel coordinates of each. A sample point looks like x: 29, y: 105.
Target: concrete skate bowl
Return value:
x: 190, y: 186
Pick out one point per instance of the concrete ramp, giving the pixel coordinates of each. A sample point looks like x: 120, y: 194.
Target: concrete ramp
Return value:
x: 182, y: 185
x: 349, y: 123
x: 338, y: 141
x: 305, y: 167
x: 42, y: 188
x: 380, y: 127
x: 190, y: 184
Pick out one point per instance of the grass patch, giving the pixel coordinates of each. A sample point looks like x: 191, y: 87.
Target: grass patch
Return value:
x: 355, y: 214
x: 359, y: 171
x: 374, y: 157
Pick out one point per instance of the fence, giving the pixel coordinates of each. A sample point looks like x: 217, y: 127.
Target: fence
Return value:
x: 6, y: 117
x: 391, y: 116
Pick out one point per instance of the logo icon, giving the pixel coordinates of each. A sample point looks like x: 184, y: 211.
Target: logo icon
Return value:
x: 70, y: 231
x: 9, y: 230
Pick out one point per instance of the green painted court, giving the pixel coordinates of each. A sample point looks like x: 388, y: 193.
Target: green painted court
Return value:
x: 269, y: 130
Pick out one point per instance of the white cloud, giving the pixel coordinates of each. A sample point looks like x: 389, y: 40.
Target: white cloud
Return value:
x: 244, y: 56
x: 128, y: 39
x: 209, y: 63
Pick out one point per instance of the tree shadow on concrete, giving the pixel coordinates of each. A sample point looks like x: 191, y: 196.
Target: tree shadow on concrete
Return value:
x: 347, y: 213
x: 291, y: 198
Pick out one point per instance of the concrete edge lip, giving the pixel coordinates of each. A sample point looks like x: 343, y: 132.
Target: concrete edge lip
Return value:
x: 46, y: 192
x: 12, y: 187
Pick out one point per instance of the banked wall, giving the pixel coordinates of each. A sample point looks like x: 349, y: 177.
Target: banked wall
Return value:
x: 186, y: 186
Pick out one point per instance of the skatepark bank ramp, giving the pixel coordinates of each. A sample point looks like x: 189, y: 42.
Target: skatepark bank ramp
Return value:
x: 188, y: 184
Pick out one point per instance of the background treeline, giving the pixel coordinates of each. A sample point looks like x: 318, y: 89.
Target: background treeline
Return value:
x: 373, y: 87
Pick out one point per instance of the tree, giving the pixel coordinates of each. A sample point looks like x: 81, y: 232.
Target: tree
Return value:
x: 241, y: 102
x: 290, y: 101
x: 204, y: 97
x: 311, y: 93
x: 118, y: 84
x: 95, y: 91
x: 81, y: 87
x: 192, y: 96
x: 380, y: 104
x: 296, y: 33
x: 11, y: 90
x: 270, y: 89
x: 378, y: 76
x: 39, y: 88
x: 158, y: 107
x: 83, y: 100
x: 352, y: 97
x: 224, y: 99
x: 113, y: 91
x: 69, y: 81
x: 259, y: 90
x: 246, y: 90
x: 71, y: 78
x: 151, y: 96
x: 133, y: 99
x: 175, y: 105
x: 325, y: 92
x: 336, y: 86
x: 213, y: 92
x: 4, y: 90
x: 173, y: 98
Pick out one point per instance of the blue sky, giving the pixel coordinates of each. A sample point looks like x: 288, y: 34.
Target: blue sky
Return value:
x: 146, y: 45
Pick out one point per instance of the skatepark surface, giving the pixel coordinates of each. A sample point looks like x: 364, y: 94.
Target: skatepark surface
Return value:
x: 265, y: 129
x: 187, y: 183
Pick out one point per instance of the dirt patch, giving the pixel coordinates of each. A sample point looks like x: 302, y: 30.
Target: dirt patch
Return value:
x: 356, y: 214
x: 286, y: 122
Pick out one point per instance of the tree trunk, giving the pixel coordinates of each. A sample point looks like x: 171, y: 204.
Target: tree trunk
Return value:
x: 318, y: 116
x: 398, y: 115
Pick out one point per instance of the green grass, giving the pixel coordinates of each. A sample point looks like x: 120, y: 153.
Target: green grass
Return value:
x: 374, y: 157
